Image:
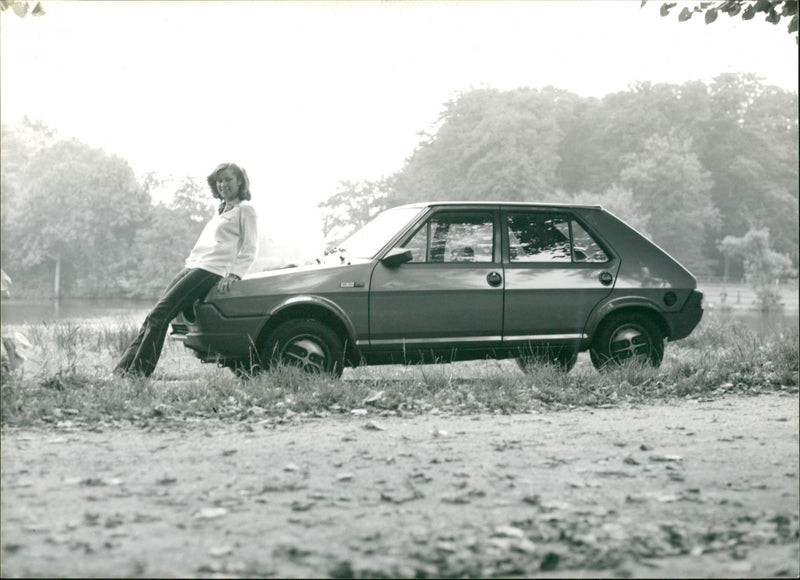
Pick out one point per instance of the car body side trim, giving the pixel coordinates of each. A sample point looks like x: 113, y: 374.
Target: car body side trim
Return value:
x: 576, y: 336
x: 463, y: 339
x: 459, y: 339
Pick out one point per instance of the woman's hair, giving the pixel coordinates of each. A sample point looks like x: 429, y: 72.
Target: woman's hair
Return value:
x: 244, y: 181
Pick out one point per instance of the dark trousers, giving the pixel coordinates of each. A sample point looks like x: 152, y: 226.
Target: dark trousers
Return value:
x: 142, y: 355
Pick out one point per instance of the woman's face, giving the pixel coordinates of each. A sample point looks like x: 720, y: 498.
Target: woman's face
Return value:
x: 228, y: 184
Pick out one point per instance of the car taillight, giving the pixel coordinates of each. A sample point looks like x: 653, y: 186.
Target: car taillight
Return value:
x: 695, y: 299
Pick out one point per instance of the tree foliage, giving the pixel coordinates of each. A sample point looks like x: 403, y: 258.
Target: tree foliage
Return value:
x: 670, y: 182
x: 80, y: 209
x: 774, y: 11
x: 352, y: 206
x: 687, y: 164
x: 74, y: 212
x: 22, y: 8
x: 762, y: 265
x: 488, y: 145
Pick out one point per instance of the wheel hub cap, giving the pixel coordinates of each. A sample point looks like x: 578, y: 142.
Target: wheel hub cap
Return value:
x: 306, y: 354
x: 629, y: 342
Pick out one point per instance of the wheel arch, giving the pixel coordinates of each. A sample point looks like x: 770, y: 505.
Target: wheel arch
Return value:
x: 641, y: 307
x: 317, y: 308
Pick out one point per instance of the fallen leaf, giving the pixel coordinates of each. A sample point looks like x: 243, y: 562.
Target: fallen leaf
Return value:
x: 210, y: 513
x: 665, y: 458
x: 358, y: 412
x: 525, y: 546
x: 398, y: 498
x: 291, y: 467
x: 344, y: 477
x: 302, y: 506
x: 373, y: 397
x: 508, y: 532
x: 456, y: 499
x: 373, y: 426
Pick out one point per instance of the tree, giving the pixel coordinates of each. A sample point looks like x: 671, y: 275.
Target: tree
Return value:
x: 774, y: 10
x: 762, y: 265
x: 353, y: 205
x: 19, y: 143
x: 164, y: 239
x: 619, y: 201
x: 730, y: 157
x: 668, y: 181
x: 749, y: 143
x: 487, y: 145
x: 81, y: 208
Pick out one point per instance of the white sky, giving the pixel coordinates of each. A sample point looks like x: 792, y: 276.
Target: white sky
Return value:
x: 305, y: 94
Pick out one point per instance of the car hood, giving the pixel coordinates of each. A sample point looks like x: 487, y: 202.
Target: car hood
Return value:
x: 316, y: 278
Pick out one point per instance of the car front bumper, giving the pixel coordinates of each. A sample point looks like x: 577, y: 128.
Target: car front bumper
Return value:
x: 211, y: 336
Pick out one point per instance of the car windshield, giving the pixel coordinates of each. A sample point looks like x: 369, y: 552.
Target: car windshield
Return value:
x: 367, y: 241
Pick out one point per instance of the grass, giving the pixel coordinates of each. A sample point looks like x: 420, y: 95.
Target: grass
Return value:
x: 66, y: 379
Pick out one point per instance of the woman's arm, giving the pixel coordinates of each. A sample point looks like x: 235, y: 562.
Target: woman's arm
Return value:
x: 248, y: 246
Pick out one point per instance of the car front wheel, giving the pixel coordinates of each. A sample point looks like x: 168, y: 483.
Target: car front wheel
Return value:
x: 307, y: 344
x: 626, y: 337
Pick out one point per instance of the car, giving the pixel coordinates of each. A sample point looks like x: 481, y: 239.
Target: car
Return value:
x: 453, y: 281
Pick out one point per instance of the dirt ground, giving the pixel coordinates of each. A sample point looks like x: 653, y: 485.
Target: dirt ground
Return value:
x: 696, y: 489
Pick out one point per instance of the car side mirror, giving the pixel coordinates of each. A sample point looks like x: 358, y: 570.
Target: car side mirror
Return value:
x: 397, y: 256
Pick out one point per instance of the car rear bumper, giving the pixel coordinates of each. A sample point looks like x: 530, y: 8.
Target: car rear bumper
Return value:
x: 682, y: 323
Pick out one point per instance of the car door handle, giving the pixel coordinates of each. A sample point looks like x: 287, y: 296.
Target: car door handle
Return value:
x: 606, y: 278
x: 494, y: 279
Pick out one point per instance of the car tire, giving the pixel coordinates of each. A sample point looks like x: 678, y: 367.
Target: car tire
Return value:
x: 562, y: 357
x: 627, y: 336
x: 305, y: 343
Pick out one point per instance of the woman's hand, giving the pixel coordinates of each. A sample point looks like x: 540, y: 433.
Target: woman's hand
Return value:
x: 225, y: 284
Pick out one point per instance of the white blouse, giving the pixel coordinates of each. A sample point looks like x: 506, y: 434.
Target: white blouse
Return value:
x: 228, y: 243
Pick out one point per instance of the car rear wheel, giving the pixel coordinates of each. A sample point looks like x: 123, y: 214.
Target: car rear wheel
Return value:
x: 563, y: 357
x: 625, y: 337
x: 307, y: 344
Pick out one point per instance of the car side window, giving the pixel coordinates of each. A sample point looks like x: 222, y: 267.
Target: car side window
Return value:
x: 551, y: 237
x: 584, y: 246
x: 539, y: 237
x: 454, y: 237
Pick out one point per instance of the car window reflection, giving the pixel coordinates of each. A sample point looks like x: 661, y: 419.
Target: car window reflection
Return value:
x: 453, y: 238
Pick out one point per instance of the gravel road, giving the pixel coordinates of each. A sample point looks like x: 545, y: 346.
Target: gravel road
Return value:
x: 693, y: 489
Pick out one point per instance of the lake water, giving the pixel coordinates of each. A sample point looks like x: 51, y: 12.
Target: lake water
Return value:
x: 48, y: 311
x: 35, y: 312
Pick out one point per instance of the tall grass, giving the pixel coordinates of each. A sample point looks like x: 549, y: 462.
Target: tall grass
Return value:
x: 67, y: 378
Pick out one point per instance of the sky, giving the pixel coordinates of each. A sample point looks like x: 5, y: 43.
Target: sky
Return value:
x: 307, y: 94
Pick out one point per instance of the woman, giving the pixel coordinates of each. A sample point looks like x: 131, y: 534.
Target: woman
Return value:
x: 221, y: 256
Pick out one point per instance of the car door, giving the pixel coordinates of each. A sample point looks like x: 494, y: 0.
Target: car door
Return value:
x: 450, y: 295
x: 556, y: 272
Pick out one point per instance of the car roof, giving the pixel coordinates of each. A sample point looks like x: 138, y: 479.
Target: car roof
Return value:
x: 520, y: 204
